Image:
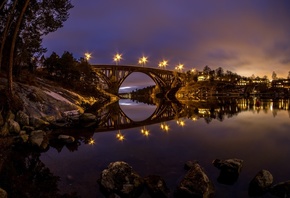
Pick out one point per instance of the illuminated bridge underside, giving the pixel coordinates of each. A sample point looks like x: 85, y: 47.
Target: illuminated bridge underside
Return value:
x: 115, y: 75
x: 115, y: 119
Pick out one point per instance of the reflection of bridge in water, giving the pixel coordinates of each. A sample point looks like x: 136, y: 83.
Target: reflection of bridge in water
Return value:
x: 113, y: 118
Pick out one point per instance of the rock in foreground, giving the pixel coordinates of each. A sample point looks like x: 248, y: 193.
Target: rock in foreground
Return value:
x: 119, y: 179
x: 230, y: 170
x: 195, y: 184
x: 281, y: 189
x: 156, y: 186
x: 260, y: 183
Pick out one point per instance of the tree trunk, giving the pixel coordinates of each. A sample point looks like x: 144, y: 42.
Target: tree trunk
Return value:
x: 2, y: 4
x: 5, y: 32
x: 13, y: 43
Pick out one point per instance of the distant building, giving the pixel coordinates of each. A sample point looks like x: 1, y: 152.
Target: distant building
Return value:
x: 202, y: 77
x: 260, y: 81
x: 281, y: 83
x: 243, y: 82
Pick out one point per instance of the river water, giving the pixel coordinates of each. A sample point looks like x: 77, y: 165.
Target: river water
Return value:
x: 256, y: 131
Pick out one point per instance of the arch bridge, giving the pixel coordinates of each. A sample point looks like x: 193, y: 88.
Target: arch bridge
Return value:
x: 114, y: 75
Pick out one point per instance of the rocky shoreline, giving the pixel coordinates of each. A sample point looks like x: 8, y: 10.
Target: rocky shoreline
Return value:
x: 45, y: 107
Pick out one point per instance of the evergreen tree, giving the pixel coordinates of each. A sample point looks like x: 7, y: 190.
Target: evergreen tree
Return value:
x: 21, y: 29
x: 274, y: 76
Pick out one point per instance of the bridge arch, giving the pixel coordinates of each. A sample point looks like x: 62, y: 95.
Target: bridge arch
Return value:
x: 115, y: 75
x: 137, y: 79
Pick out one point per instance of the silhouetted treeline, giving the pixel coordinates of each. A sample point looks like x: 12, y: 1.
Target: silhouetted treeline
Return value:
x: 143, y: 95
x: 77, y: 75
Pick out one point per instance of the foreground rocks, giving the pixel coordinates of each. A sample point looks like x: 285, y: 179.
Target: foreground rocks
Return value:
x: 35, y: 130
x: 195, y: 183
x: 156, y: 186
x: 229, y: 170
x: 261, y: 183
x: 119, y: 179
x: 281, y: 189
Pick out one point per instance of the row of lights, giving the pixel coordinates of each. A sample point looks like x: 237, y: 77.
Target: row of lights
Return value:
x: 144, y: 131
x: 142, y: 61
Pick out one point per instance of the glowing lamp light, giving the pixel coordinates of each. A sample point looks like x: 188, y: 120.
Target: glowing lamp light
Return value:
x: 194, y: 119
x: 164, y: 127
x: 145, y: 131
x: 143, y: 60
x: 91, y: 141
x: 117, y: 57
x: 88, y: 56
x: 179, y: 67
x: 163, y: 64
x: 180, y: 123
x: 120, y: 136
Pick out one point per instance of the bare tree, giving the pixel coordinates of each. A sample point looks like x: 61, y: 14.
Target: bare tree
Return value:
x: 2, y: 4
x: 6, y: 28
x: 11, y: 56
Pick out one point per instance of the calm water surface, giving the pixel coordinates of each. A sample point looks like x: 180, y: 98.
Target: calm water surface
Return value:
x: 258, y: 134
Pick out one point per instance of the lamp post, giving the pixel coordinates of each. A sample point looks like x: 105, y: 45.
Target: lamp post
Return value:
x: 117, y: 57
x: 88, y: 56
x: 163, y: 64
x: 143, y: 60
x: 179, y: 67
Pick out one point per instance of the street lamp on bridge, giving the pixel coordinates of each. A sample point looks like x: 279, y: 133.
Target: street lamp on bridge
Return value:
x: 143, y: 60
x: 117, y: 57
x: 179, y: 67
x: 163, y: 64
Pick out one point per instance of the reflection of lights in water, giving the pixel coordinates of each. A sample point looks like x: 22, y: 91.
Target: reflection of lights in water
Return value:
x: 164, y: 127
x: 145, y: 131
x: 180, y: 122
x: 91, y: 141
x: 194, y: 119
x: 120, y: 136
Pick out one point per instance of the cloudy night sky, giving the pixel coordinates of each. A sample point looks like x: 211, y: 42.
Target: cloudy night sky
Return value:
x: 244, y: 36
